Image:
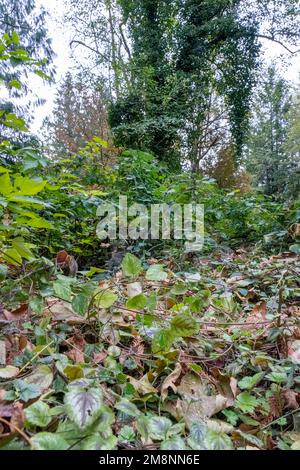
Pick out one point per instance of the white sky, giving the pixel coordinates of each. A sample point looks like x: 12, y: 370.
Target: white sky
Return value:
x: 63, y: 62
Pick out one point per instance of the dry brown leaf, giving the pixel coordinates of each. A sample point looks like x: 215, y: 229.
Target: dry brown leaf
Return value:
x: 200, y: 400
x: 16, y: 315
x: 62, y: 311
x: 142, y: 386
x: 99, y: 357
x: 18, y: 417
x: 291, y: 399
x: 294, y: 350
x: 134, y: 289
x: 170, y: 382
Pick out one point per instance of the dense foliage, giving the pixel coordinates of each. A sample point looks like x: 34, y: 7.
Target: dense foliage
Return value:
x: 139, y: 344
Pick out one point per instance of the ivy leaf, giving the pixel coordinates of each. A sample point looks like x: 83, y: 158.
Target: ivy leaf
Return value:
x: 80, y: 304
x: 184, y: 325
x: 83, y: 406
x: 131, y: 266
x: 105, y: 298
x: 156, y: 273
x: 62, y: 290
x: 38, y: 414
x: 49, y: 441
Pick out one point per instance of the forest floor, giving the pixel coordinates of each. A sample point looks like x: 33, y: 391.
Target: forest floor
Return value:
x: 205, y: 356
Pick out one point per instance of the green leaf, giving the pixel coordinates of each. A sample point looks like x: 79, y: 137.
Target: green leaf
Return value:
x: 156, y: 273
x: 62, y: 291
x: 27, y: 391
x: 184, y: 325
x: 179, y: 289
x: 162, y: 341
x: 15, y: 84
x: 80, y: 304
x: 137, y: 302
x: 36, y: 222
x: 13, y: 257
x: 25, y: 186
x: 158, y: 428
x: 98, y: 442
x: 277, y: 377
x: 22, y: 248
x: 38, y: 414
x: 246, y: 402
x: 74, y: 372
x: 15, y: 38
x: 128, y: 408
x: 105, y: 298
x: 176, y: 443
x: 6, y: 187
x: 131, y: 266
x: 49, y: 441
x: 83, y: 406
x: 247, y: 383
x: 217, y: 441
x: 3, y: 272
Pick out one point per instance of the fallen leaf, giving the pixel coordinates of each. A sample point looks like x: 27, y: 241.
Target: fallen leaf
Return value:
x: 9, y: 372
x: 17, y: 417
x: 291, y: 399
x: 170, y: 382
x: 2, y: 353
x: 142, y: 386
x: 18, y: 314
x: 42, y: 376
x: 134, y: 289
x: 62, y: 311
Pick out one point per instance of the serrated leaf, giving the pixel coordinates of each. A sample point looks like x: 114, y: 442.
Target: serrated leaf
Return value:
x: 83, y: 406
x: 131, y: 266
x: 246, y: 402
x: 247, y: 383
